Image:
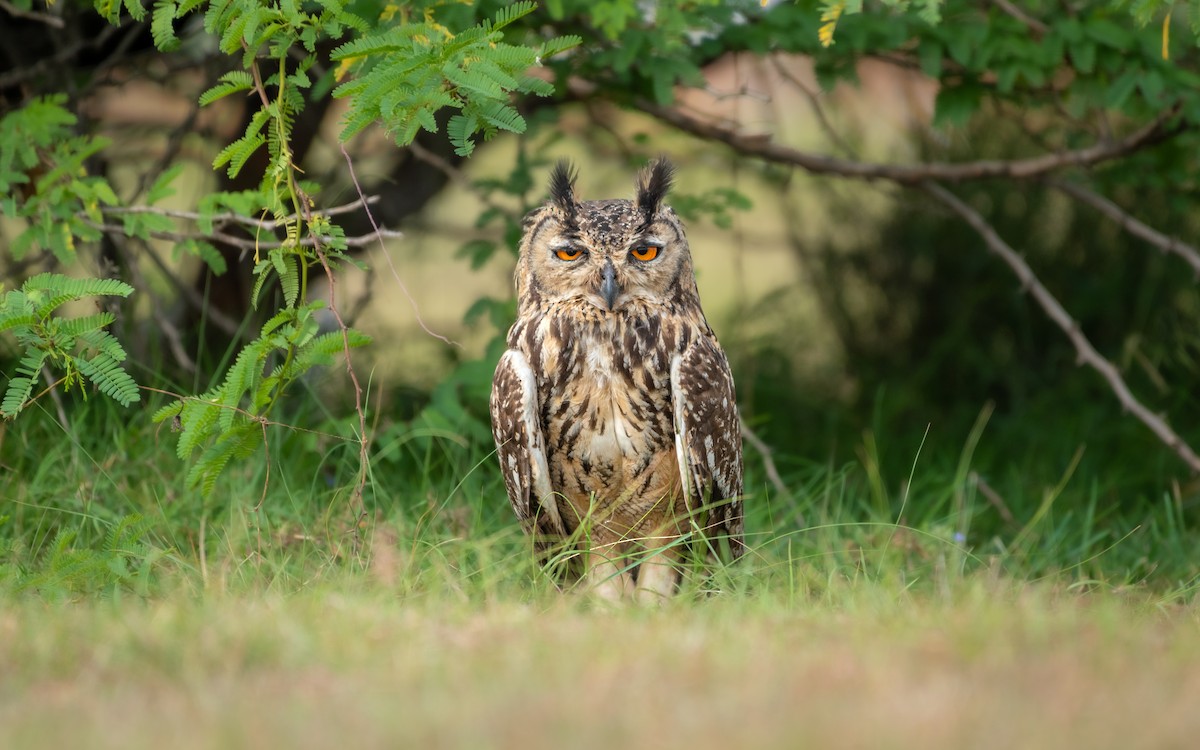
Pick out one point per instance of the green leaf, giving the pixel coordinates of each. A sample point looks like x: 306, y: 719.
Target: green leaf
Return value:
x: 956, y: 104
x: 478, y: 251
x: 1119, y: 90
x: 930, y: 53
x: 1083, y: 55
x: 161, y: 187
x: 1108, y: 33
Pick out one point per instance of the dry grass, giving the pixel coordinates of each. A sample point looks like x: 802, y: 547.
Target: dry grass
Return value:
x: 997, y: 666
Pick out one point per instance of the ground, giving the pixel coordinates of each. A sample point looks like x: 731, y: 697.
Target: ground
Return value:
x: 989, y: 663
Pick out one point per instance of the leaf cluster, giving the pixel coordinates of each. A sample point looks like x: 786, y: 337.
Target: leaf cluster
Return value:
x: 44, y: 180
x: 79, y: 347
x: 406, y: 73
x: 231, y: 419
x: 123, y: 558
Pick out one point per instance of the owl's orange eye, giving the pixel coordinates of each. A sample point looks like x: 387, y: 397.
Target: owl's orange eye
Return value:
x: 568, y: 253
x: 645, y: 252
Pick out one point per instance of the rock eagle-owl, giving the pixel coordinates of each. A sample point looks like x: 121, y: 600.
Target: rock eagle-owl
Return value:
x: 613, y: 408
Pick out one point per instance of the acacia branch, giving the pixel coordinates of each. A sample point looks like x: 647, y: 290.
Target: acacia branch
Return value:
x: 762, y: 146
x: 1128, y: 223
x: 1055, y: 311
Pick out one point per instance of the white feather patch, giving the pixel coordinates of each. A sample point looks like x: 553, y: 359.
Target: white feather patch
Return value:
x: 539, y: 469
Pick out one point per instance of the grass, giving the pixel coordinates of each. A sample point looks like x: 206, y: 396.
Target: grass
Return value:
x: 134, y: 613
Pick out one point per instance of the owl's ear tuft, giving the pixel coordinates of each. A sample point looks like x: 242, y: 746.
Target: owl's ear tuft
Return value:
x: 562, y: 187
x: 652, y: 186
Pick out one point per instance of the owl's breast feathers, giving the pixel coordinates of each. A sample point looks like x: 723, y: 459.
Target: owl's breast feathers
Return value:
x: 604, y: 389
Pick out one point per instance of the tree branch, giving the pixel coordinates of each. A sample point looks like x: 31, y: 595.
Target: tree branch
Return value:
x: 761, y: 146
x: 1128, y: 223
x: 14, y: 77
x: 922, y: 176
x: 1055, y: 311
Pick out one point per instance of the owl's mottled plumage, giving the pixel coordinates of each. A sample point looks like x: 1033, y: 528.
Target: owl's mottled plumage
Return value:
x: 613, y: 409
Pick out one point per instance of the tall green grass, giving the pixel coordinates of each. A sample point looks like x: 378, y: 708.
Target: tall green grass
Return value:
x: 99, y: 506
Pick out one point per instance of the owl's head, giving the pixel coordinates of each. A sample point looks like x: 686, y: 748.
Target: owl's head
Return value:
x: 609, y: 253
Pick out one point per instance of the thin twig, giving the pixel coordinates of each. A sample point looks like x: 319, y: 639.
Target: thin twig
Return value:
x: 1128, y: 223
x: 992, y: 497
x: 227, y: 324
x: 32, y: 15
x: 1032, y: 23
x: 1055, y: 311
x: 765, y: 452
x: 452, y: 173
x: 363, y: 440
x: 814, y: 103
x: 52, y: 389
x: 249, y: 415
x: 387, y: 256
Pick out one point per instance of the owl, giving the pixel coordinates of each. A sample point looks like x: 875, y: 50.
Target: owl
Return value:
x: 613, y: 407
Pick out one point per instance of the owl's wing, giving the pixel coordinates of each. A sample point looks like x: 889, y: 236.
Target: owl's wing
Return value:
x: 522, y: 449
x: 708, y: 439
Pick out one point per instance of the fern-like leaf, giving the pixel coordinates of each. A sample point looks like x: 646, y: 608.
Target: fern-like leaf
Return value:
x: 103, y: 342
x: 164, y: 413
x: 107, y: 375
x: 75, y: 327
x: 15, y: 396
x: 162, y: 27
x: 77, y: 287
x: 23, y: 320
x: 240, y: 379
x: 230, y: 83
x: 238, y: 153
x: 460, y: 128
x: 511, y: 13
x: 196, y: 418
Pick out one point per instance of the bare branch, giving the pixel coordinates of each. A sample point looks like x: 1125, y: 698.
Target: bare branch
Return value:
x: 227, y: 324
x: 14, y: 77
x: 248, y: 244
x: 233, y: 218
x: 761, y: 145
x: 1055, y: 311
x: 1128, y: 223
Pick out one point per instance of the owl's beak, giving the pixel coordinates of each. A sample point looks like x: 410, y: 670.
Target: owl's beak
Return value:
x: 609, y: 289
